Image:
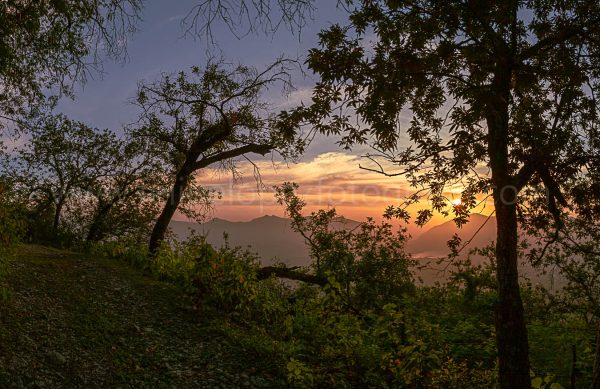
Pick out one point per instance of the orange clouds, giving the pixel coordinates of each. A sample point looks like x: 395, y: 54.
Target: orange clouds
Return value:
x: 331, y: 179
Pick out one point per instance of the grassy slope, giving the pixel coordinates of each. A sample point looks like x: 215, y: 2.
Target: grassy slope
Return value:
x: 75, y: 321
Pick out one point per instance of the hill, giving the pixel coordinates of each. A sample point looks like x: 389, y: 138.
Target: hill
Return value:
x: 433, y: 242
x: 78, y: 321
x: 271, y: 237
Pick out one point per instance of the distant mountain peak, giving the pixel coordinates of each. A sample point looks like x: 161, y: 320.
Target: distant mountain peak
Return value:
x: 433, y: 242
x: 268, y: 217
x: 217, y: 220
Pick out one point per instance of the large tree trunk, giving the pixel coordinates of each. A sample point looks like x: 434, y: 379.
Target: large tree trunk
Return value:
x: 162, y: 224
x: 511, y: 332
x: 57, y: 213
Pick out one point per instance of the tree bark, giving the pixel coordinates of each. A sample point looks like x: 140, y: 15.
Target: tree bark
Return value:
x: 191, y: 165
x: 162, y: 224
x: 57, y: 212
x: 511, y: 331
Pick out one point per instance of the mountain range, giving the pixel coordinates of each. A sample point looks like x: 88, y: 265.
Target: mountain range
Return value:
x: 272, y: 237
x: 274, y: 240
x: 480, y: 231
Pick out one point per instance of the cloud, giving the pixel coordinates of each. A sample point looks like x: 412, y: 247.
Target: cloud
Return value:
x: 331, y: 179
x: 294, y: 99
x: 174, y: 18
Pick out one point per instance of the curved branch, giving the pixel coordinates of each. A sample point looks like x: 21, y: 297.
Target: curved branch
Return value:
x: 250, y: 148
x: 290, y: 273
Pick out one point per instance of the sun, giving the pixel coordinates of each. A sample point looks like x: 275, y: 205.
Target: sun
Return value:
x: 456, y: 202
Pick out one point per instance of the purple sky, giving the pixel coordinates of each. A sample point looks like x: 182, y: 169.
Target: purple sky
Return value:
x: 331, y: 176
x: 160, y: 47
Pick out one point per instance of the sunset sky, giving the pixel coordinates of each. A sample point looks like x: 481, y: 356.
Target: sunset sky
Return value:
x: 328, y: 176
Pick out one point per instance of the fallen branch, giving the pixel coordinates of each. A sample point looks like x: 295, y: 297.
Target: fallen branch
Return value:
x: 289, y: 273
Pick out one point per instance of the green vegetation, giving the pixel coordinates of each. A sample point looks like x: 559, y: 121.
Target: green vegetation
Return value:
x: 368, y: 324
x: 501, y: 100
x: 502, y: 104
x: 11, y: 231
x: 76, y: 320
x: 358, y: 320
x: 45, y: 44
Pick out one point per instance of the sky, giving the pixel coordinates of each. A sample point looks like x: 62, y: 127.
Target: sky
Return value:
x: 328, y: 176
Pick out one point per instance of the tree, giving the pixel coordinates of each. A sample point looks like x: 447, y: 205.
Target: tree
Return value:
x: 11, y: 225
x: 210, y: 116
x: 243, y: 17
x: 368, y: 261
x: 572, y: 250
x: 51, y: 44
x: 60, y: 158
x: 502, y: 97
x: 126, y: 200
x: 109, y: 185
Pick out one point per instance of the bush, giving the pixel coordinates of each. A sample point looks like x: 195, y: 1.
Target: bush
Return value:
x: 11, y: 230
x: 11, y: 226
x: 130, y: 252
x: 226, y: 278
x: 310, y: 333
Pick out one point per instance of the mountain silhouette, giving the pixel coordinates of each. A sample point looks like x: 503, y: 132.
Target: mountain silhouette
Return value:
x: 480, y: 231
x: 273, y: 240
x: 271, y: 237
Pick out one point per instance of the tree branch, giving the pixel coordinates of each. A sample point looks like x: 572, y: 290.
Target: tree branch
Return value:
x: 552, y: 40
x: 524, y: 175
x: 289, y: 273
x: 224, y: 155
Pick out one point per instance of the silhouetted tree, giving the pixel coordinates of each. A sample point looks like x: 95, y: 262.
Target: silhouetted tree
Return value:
x: 126, y: 200
x: 109, y: 185
x: 209, y: 116
x: 500, y: 96
x: 243, y: 16
x: 47, y: 44
x: 61, y: 156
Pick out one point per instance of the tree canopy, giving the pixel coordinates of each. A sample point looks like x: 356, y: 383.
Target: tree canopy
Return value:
x: 500, y: 96
x: 210, y: 116
x: 49, y: 45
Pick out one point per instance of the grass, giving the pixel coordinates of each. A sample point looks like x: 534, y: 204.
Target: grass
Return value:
x: 76, y: 321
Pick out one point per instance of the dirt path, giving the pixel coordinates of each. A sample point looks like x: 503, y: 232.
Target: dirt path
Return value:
x: 77, y: 322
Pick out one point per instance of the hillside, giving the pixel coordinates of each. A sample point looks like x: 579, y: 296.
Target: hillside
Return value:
x: 74, y: 321
x: 433, y: 242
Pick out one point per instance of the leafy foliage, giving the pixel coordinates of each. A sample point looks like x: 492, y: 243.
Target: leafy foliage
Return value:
x: 369, y: 261
x: 207, y: 117
x: 11, y: 224
x: 45, y: 44
x: 84, y: 184
x: 502, y: 97
x: 11, y: 230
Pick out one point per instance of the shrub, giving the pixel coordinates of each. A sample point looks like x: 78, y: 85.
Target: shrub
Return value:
x: 11, y: 230
x: 130, y: 252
